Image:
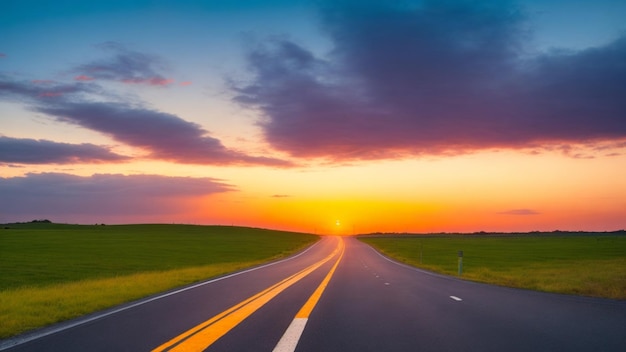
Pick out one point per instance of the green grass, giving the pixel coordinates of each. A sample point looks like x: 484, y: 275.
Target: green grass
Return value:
x: 53, y: 272
x: 590, y: 265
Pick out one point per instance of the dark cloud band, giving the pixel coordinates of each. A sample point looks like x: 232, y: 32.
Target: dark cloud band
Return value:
x: 64, y: 196
x: 442, y: 77
x: 85, y: 103
x: 32, y: 151
x: 164, y: 136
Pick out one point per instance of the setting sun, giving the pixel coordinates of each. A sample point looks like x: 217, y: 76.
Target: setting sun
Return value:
x: 320, y: 134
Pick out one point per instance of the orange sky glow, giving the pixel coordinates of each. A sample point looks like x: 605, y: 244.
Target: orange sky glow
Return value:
x: 328, y: 117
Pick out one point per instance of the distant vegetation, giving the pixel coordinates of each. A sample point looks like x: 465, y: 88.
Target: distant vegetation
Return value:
x: 573, y: 263
x: 53, y: 272
x: 43, y: 221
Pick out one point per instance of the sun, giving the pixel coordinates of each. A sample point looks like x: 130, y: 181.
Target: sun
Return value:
x: 338, y: 223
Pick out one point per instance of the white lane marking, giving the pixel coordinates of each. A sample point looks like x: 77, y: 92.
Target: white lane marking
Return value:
x: 18, y: 340
x: 456, y: 298
x: 290, y: 339
x: 387, y: 284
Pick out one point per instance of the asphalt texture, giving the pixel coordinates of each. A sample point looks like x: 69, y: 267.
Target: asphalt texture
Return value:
x: 370, y: 304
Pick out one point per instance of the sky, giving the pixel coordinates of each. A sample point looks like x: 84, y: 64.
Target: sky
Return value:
x: 329, y: 117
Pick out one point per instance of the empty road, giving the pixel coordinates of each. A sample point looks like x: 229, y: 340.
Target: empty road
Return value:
x: 341, y: 295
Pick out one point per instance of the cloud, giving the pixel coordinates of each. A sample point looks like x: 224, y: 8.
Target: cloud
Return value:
x: 34, y: 90
x: 165, y: 136
x: 519, y: 212
x: 3, y: 55
x: 281, y: 196
x: 32, y: 151
x: 101, y: 196
x: 154, y: 81
x: 83, y: 78
x: 441, y: 77
x: 51, y: 94
x: 14, y: 166
x: 126, y: 66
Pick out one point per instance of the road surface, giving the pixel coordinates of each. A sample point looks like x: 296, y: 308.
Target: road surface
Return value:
x: 341, y: 295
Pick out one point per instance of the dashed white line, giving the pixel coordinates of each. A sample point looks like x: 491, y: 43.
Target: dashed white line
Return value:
x: 456, y: 298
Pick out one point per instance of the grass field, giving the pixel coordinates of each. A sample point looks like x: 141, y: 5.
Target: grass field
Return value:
x: 54, y: 272
x: 590, y: 265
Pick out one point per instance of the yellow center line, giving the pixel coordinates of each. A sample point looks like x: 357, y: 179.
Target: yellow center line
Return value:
x: 203, y: 335
x: 291, y: 337
x: 306, y: 309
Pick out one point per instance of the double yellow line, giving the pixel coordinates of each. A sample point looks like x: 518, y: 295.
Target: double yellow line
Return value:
x: 203, y: 335
x: 290, y: 339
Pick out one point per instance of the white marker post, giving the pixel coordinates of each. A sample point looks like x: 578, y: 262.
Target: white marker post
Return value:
x: 460, y: 263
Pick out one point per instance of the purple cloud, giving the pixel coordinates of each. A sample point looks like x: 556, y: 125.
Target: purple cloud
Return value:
x: 101, y: 196
x: 125, y: 66
x: 443, y: 77
x: 41, y: 90
x: 165, y: 136
x: 32, y: 151
x: 519, y: 212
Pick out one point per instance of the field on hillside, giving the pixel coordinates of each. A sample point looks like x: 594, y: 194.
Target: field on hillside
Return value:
x: 54, y: 272
x: 583, y: 264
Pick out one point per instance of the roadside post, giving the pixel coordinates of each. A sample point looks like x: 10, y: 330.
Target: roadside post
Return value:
x: 460, y: 263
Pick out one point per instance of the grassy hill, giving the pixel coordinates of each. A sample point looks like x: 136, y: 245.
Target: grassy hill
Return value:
x: 53, y: 272
x: 592, y: 264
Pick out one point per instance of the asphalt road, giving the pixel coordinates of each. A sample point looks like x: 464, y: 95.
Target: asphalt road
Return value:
x: 369, y: 304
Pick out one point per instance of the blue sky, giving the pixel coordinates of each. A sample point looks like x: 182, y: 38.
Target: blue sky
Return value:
x: 249, y: 98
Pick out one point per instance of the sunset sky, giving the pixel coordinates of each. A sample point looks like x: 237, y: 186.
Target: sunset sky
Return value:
x: 317, y: 116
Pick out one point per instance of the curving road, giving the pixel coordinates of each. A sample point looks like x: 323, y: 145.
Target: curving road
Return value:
x: 341, y: 295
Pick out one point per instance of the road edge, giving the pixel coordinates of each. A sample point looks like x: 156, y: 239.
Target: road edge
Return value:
x: 90, y: 317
